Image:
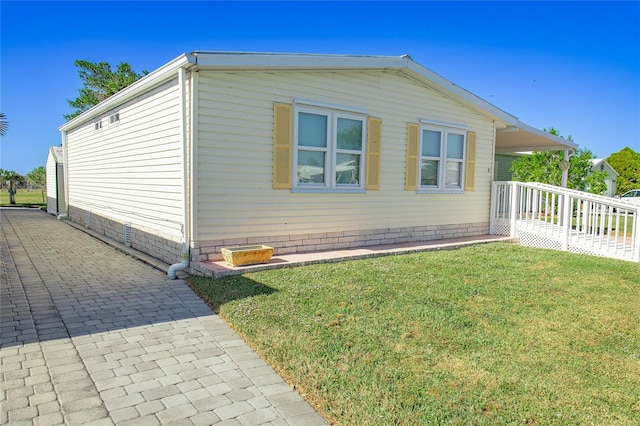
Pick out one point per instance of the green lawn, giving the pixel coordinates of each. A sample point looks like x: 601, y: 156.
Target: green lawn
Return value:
x: 25, y: 198
x: 489, y: 334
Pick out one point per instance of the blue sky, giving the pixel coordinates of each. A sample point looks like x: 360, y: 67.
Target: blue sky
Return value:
x: 572, y: 65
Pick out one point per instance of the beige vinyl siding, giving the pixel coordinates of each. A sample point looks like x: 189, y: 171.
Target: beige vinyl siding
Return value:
x: 131, y: 171
x: 235, y: 147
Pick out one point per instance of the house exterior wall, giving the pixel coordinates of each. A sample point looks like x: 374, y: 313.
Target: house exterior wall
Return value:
x: 235, y: 203
x: 128, y: 174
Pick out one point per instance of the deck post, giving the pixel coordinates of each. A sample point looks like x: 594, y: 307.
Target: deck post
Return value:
x: 565, y: 208
x: 492, y: 208
x: 513, y: 210
x: 636, y: 237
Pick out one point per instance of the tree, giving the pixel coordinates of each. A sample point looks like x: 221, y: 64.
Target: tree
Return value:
x: 543, y: 167
x: 37, y: 176
x: 99, y: 82
x: 627, y: 163
x: 4, y: 124
x: 6, y: 175
x: 10, y: 180
x: 596, y: 182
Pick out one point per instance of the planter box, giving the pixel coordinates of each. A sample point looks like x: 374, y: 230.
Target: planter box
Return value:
x: 247, y: 255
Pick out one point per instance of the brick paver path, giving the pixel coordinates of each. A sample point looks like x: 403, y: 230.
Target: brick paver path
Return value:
x: 93, y: 336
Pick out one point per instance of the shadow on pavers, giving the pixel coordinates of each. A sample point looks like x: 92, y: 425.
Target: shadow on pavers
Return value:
x: 64, y: 285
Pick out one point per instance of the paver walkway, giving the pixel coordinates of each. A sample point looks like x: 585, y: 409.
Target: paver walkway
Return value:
x: 92, y: 336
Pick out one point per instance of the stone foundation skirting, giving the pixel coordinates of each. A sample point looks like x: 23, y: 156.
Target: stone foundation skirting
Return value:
x: 155, y: 245
x: 169, y: 251
x: 300, y: 243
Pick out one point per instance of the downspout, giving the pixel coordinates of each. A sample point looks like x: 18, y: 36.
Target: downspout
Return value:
x: 184, y: 257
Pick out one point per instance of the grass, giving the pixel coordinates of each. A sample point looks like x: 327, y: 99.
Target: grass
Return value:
x: 484, y: 335
x: 25, y: 198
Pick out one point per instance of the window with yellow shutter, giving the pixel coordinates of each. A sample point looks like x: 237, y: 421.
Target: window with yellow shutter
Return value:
x: 441, y: 165
x: 329, y: 149
x: 322, y: 148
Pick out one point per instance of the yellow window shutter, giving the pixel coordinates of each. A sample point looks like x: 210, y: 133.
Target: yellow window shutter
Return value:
x: 282, y: 145
x: 470, y: 168
x: 411, y: 174
x: 374, y: 135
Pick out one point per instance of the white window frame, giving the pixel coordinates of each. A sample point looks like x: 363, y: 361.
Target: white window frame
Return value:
x: 114, y: 118
x: 97, y: 125
x: 441, y: 187
x: 331, y: 151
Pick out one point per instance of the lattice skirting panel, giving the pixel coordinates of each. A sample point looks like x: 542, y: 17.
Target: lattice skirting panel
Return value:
x: 611, y: 250
x: 533, y: 240
x: 584, y: 250
x: 501, y: 227
x: 529, y: 239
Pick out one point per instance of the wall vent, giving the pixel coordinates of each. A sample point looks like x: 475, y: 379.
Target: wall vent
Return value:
x: 127, y: 234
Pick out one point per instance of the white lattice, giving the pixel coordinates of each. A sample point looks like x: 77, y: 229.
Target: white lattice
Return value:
x: 501, y: 227
x: 529, y: 239
x: 597, y: 245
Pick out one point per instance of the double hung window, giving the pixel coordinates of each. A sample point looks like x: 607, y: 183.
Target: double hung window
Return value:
x: 442, y: 159
x: 329, y: 149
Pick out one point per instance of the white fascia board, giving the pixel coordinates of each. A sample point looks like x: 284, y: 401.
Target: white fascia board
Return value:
x: 165, y: 72
x: 248, y: 60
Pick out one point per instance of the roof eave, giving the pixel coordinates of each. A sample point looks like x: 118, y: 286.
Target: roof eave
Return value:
x: 520, y: 137
x: 156, y: 77
x: 596, y: 162
x: 528, y: 138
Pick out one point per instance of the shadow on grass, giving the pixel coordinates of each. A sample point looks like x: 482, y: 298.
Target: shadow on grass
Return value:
x: 223, y: 290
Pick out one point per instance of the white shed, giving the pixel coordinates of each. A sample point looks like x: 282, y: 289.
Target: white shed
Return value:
x: 56, y: 202
x: 299, y: 152
x: 600, y: 164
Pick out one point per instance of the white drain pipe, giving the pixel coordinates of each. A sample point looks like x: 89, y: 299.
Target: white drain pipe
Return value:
x: 184, y: 256
x: 179, y: 266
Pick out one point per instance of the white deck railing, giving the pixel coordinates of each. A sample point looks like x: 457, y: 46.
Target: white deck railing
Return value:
x: 548, y: 216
